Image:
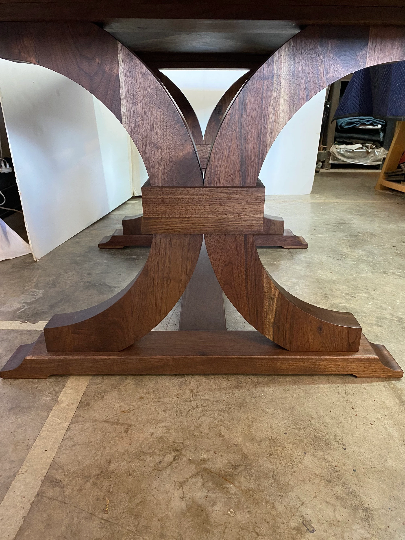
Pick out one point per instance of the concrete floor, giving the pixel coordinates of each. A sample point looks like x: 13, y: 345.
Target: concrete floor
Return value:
x: 218, y: 458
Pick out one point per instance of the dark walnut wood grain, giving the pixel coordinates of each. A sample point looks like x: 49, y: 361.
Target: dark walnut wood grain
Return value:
x: 273, y: 224
x: 94, y: 59
x: 287, y: 240
x: 156, y: 126
x: 194, y: 353
x: 204, y: 146
x: 323, y: 341
x: 203, y: 151
x: 80, y: 51
x: 274, y: 235
x: 202, y: 143
x: 119, y: 240
x: 301, y: 12
x: 202, y: 60
x: 221, y: 107
x: 300, y: 69
x: 202, y: 210
x: 132, y: 235
x: 297, y: 71
x: 115, y: 324
x: 132, y: 224
x: 305, y: 65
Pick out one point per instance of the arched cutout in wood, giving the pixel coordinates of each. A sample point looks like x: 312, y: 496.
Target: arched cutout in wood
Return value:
x: 95, y: 60
x: 184, y: 106
x: 216, y: 118
x: 202, y: 142
x: 305, y: 65
x: 222, y: 106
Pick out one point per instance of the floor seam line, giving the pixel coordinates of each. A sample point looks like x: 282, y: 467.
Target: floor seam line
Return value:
x: 23, y: 490
x: 22, y: 325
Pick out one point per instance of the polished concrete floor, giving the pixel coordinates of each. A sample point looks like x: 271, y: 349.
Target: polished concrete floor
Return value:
x: 214, y: 457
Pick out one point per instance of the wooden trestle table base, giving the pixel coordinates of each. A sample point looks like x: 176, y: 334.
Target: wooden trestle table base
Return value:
x: 198, y: 190
x: 210, y: 350
x: 134, y: 233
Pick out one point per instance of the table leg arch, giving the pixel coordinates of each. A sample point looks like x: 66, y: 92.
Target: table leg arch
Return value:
x: 218, y: 114
x: 184, y: 106
x: 274, y: 312
x: 91, y: 57
x: 118, y: 322
x: 310, y: 61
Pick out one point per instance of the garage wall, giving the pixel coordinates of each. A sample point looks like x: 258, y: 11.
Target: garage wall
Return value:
x: 72, y: 157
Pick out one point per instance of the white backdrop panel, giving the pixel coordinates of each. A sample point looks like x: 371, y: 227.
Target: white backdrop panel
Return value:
x: 72, y: 164
x: 204, y: 87
x: 289, y: 167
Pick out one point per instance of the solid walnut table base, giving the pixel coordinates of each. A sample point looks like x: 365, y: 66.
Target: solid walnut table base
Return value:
x: 201, y: 353
x: 202, y: 188
x: 201, y: 346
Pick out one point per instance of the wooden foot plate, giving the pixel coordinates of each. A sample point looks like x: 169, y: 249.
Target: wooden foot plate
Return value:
x: 287, y: 240
x: 199, y: 352
x: 120, y: 240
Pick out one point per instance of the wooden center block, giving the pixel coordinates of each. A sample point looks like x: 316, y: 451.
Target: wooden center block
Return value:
x: 196, y: 210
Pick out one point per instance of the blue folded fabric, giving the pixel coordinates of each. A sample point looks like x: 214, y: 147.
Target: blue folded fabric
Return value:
x: 377, y: 91
x: 355, y: 121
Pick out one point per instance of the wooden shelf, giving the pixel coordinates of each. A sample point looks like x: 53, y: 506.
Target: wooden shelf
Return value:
x: 395, y: 152
x: 392, y: 185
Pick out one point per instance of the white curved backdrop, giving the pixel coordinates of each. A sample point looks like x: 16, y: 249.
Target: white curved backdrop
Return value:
x: 289, y: 167
x: 74, y: 161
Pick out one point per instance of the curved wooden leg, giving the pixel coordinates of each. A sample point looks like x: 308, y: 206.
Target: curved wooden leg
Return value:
x: 275, y: 313
x: 132, y: 313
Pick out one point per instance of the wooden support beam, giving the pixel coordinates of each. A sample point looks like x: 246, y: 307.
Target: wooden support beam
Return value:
x: 287, y: 240
x: 391, y: 162
x: 302, y: 12
x: 201, y: 353
x: 120, y: 240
